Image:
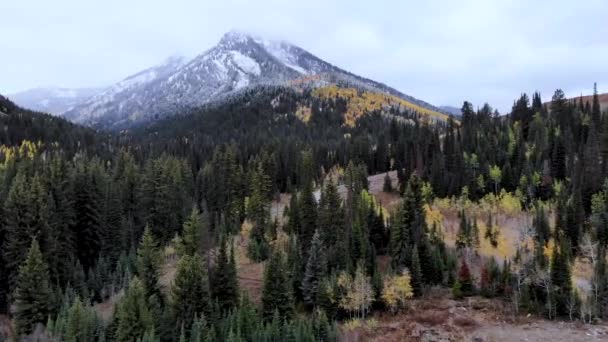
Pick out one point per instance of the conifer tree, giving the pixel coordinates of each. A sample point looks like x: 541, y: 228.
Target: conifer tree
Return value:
x: 388, y: 184
x: 276, y: 294
x: 295, y: 266
x: 416, y: 273
x: 133, y: 314
x: 149, y: 260
x: 595, y: 111
x: 464, y: 235
x: 331, y: 222
x: 560, y: 278
x: 315, y: 270
x: 81, y: 323
x: 293, y: 224
x: 190, y: 291
x: 191, y: 239
x: 224, y: 282
x: 308, y: 217
x: 87, y: 205
x: 32, y: 294
x: 25, y: 217
x: 541, y: 225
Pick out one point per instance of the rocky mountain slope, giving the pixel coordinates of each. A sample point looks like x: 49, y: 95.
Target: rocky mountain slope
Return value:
x: 237, y: 62
x: 53, y: 100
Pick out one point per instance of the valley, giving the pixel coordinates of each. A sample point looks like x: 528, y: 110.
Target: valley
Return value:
x: 256, y: 192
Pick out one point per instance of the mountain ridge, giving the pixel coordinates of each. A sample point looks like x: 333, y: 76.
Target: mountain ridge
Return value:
x: 239, y: 60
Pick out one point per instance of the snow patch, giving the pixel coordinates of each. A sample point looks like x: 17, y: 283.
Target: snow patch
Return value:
x: 280, y: 51
x: 245, y: 63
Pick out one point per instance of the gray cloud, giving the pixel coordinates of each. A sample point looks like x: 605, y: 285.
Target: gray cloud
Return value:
x: 441, y: 51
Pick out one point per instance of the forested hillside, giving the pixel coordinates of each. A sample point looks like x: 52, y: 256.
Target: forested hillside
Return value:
x: 141, y: 235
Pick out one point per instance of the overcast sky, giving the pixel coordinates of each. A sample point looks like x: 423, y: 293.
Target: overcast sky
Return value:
x: 443, y: 52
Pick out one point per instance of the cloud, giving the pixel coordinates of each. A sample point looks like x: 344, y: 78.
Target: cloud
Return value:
x: 443, y: 52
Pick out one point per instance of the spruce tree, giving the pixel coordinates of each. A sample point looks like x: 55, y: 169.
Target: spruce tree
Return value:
x: 331, y: 222
x: 225, y: 287
x: 276, y: 294
x: 308, y: 217
x: 316, y: 267
x: 191, y: 239
x: 596, y: 114
x: 32, y: 294
x: 133, y: 314
x: 25, y: 217
x: 149, y: 260
x: 561, y: 278
x: 190, y: 295
x: 416, y: 273
x: 388, y: 184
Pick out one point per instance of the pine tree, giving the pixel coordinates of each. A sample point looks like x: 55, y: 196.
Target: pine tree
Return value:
x: 560, y: 278
x: 32, y: 294
x: 293, y: 224
x: 191, y: 239
x: 388, y: 184
x: 87, y: 205
x: 308, y: 217
x: 276, y: 294
x: 133, y: 314
x: 295, y: 266
x: 315, y: 270
x: 464, y: 235
x: 596, y: 114
x: 190, y: 291
x: 81, y: 323
x: 149, y: 260
x: 416, y: 273
x: 25, y: 217
x: 224, y: 282
x: 331, y: 223
x: 541, y: 225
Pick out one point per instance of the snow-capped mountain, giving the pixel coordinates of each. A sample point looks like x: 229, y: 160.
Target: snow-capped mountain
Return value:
x: 53, y: 100
x: 238, y: 61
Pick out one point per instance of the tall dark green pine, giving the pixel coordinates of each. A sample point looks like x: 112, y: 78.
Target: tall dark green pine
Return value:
x: 416, y: 273
x: 596, y: 114
x: 293, y: 224
x: 316, y: 269
x: 88, y: 223
x: 276, y: 294
x: 464, y: 236
x: 308, y: 217
x: 133, y: 315
x: 295, y: 266
x: 190, y: 294
x: 32, y: 294
x: 61, y: 220
x: 541, y: 226
x: 149, y: 260
x: 331, y: 224
x: 224, y: 283
x: 191, y: 239
x: 25, y: 217
x: 561, y: 278
x: 399, y: 242
x: 258, y: 210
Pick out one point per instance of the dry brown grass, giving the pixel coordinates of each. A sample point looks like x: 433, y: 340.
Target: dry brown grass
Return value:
x: 431, y: 317
x: 465, y: 322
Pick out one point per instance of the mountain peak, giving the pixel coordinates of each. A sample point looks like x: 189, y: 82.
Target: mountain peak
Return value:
x: 238, y: 61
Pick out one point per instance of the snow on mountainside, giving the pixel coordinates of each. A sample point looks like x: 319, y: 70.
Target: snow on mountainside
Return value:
x: 238, y: 61
x: 52, y: 100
